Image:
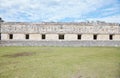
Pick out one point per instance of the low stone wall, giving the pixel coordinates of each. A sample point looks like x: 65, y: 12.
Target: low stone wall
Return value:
x: 60, y: 43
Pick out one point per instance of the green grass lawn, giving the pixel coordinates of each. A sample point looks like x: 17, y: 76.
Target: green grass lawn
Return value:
x: 59, y: 62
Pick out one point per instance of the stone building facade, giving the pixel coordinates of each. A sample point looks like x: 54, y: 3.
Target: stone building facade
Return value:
x: 60, y: 34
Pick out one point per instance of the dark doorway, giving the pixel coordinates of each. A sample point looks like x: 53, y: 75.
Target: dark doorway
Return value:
x: 61, y: 36
x: 95, y: 36
x: 27, y: 36
x: 111, y: 37
x: 0, y: 36
x: 10, y: 36
x: 43, y: 36
x: 79, y: 36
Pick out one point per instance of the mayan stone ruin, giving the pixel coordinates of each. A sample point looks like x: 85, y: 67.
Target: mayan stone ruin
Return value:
x: 59, y: 34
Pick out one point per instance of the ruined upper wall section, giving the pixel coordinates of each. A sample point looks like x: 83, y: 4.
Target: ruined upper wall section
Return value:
x: 54, y: 27
x: 64, y: 23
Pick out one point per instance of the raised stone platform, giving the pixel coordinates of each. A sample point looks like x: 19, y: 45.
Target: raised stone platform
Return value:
x: 60, y: 43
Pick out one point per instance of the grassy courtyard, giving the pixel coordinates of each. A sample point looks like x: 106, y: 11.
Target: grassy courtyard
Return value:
x: 59, y: 62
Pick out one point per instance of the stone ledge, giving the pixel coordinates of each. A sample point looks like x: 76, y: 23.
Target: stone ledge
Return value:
x: 60, y: 43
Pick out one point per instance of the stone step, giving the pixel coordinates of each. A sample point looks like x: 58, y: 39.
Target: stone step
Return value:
x: 60, y: 43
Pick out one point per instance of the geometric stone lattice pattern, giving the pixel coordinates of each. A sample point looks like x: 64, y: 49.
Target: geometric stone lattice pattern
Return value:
x: 97, y: 32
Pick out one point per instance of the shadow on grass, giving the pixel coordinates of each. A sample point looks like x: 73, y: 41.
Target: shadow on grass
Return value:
x: 19, y: 54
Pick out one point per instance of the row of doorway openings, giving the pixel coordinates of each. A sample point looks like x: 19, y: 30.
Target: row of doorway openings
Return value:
x: 61, y: 36
x: 43, y: 36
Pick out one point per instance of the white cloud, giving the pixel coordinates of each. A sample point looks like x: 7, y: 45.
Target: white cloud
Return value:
x: 52, y: 10
x: 113, y: 19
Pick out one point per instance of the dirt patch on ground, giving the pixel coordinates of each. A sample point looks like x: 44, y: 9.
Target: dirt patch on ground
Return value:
x: 8, y: 63
x: 20, y: 54
x: 78, y: 75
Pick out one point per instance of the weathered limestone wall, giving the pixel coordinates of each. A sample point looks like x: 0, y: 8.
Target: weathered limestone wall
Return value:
x: 87, y: 37
x: 116, y: 37
x: 70, y: 37
x: 103, y: 37
x: 60, y: 43
x: 51, y: 37
x: 35, y: 36
x: 53, y: 30
x: 4, y: 37
x: 19, y: 36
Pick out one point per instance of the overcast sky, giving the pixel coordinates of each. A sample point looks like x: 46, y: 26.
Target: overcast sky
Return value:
x: 60, y: 10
